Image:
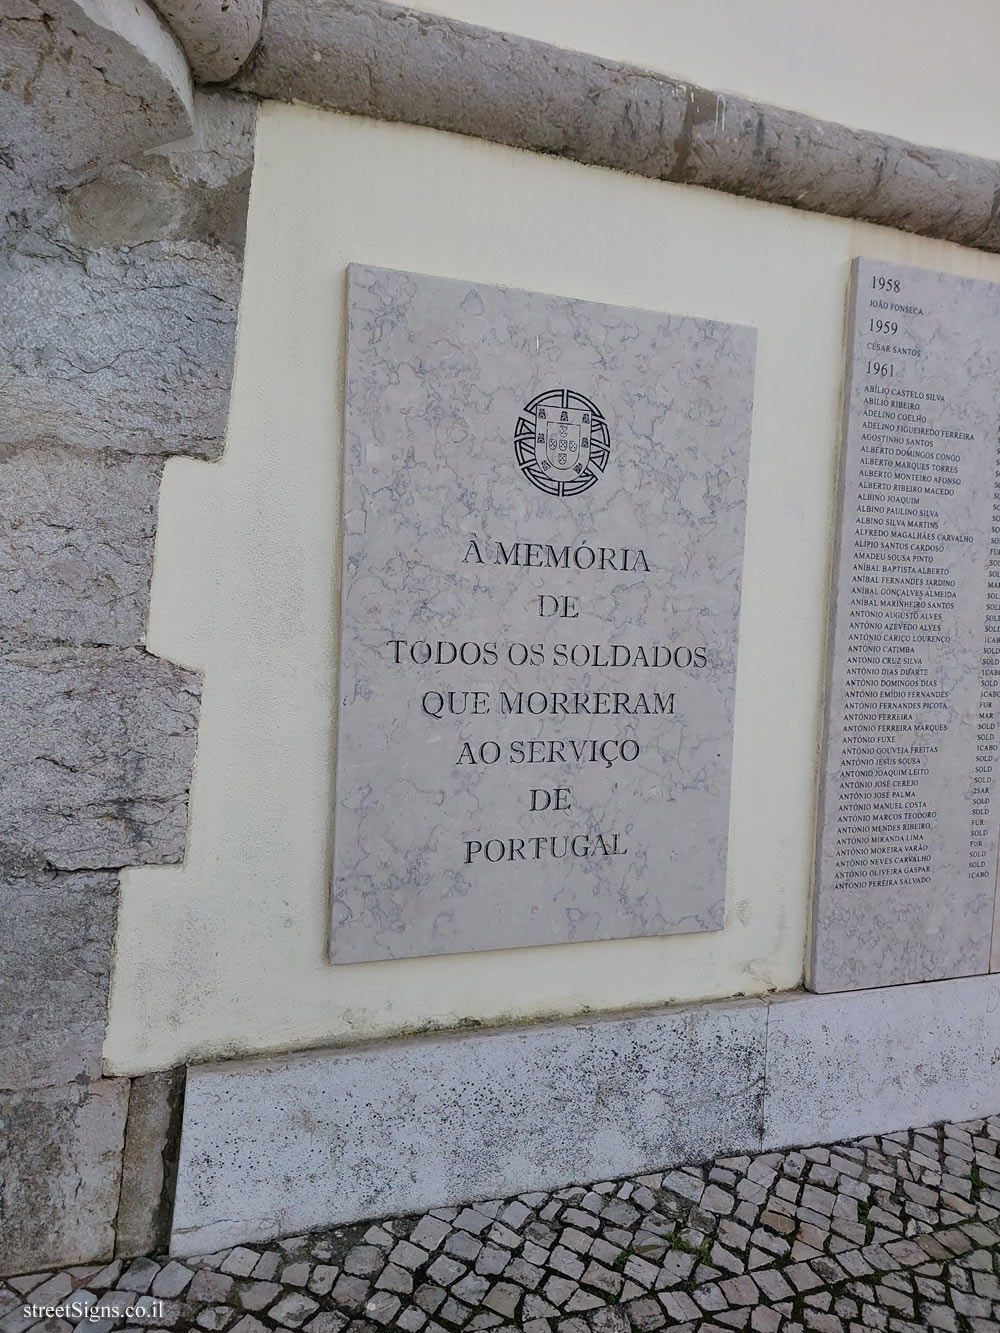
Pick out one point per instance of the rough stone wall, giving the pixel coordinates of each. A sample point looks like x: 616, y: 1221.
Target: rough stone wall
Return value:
x: 78, y: 93
x: 119, y: 301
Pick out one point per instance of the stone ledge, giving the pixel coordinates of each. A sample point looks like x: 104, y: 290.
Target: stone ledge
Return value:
x: 277, y: 1146
x: 378, y: 59
x: 867, y: 1062
x: 281, y: 1145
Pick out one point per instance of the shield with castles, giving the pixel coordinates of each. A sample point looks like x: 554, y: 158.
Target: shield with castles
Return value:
x: 562, y: 440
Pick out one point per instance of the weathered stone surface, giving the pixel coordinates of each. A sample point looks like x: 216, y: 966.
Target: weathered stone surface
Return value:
x: 196, y: 190
x: 129, y: 348
x: 83, y: 84
x: 76, y: 544
x: 747, y: 148
x: 272, y: 1146
x: 217, y: 35
x: 56, y: 933
x: 841, y: 1065
x: 784, y: 157
x: 98, y: 745
x: 60, y: 1170
x: 132, y: 348
x: 936, y: 193
x: 378, y: 59
x: 149, y: 1165
x: 119, y: 309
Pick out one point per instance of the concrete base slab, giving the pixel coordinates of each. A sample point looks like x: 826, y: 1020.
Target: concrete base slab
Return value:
x: 271, y: 1147
x: 869, y: 1062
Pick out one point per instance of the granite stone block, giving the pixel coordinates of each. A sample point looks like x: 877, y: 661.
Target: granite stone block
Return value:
x: 196, y: 190
x: 129, y: 347
x: 56, y: 935
x: 76, y: 544
x: 282, y: 1145
x: 98, y: 745
x: 60, y: 1173
x: 149, y: 1163
x: 79, y: 93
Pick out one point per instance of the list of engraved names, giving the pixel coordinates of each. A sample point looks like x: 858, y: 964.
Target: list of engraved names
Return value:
x: 908, y: 828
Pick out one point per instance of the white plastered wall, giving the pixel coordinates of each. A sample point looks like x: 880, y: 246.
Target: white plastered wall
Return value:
x: 918, y: 69
x: 227, y: 954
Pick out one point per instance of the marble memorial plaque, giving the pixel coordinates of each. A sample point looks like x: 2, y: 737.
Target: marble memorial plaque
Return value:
x: 543, y: 537
x: 907, y: 851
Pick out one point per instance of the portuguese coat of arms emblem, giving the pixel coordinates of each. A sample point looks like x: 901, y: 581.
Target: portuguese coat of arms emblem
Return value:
x: 561, y: 442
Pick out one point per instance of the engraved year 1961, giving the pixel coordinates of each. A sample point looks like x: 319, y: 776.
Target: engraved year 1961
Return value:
x: 883, y: 370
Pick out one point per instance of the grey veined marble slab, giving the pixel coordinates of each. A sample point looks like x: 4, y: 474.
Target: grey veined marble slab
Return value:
x: 543, y: 537
x: 907, y: 855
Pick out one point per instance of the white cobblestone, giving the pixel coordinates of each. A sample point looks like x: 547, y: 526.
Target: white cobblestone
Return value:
x: 888, y: 1233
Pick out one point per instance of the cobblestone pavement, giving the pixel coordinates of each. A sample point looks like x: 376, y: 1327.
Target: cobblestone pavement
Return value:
x: 895, y: 1232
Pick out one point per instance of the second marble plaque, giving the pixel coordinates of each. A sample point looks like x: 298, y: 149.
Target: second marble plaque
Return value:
x: 907, y: 858
x: 543, y: 538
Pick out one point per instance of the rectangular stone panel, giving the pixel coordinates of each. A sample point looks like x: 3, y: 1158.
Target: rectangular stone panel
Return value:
x: 543, y: 540
x: 907, y: 848
x: 277, y: 1146
x: 841, y: 1066
x: 281, y: 1145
